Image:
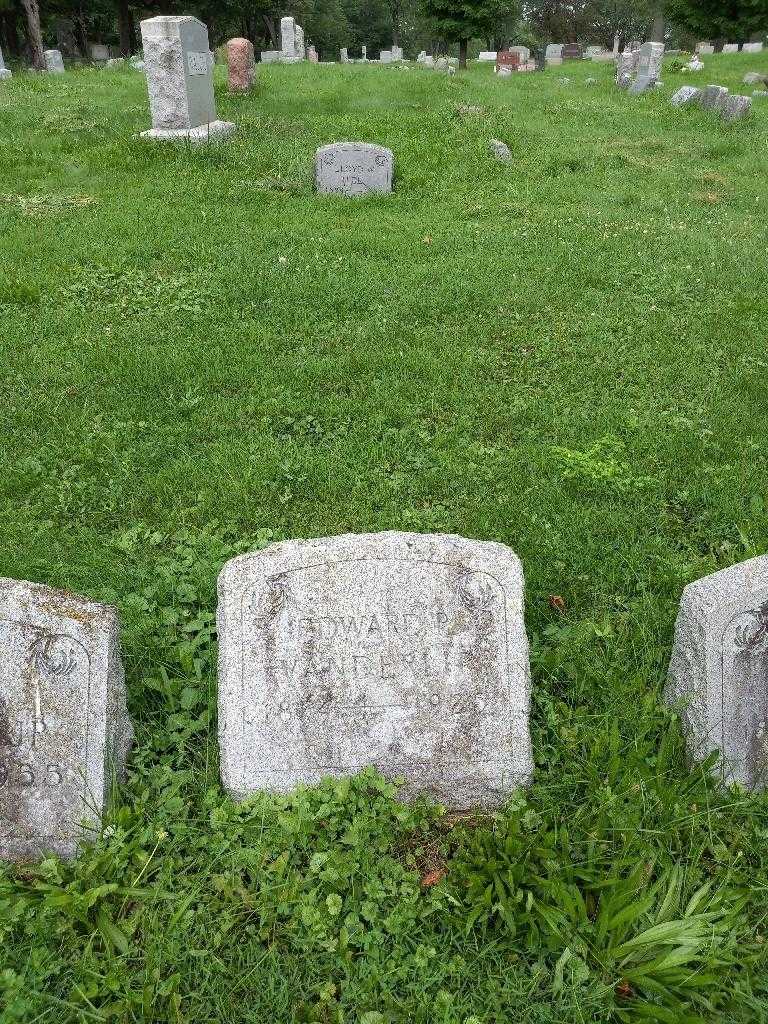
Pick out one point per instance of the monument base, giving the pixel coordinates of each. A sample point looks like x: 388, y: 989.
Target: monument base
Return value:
x: 215, y: 131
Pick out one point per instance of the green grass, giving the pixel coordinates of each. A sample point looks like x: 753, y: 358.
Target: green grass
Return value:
x: 565, y: 353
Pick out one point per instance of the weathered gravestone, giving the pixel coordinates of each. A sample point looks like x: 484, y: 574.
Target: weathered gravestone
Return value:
x: 730, y: 47
x: 180, y: 82
x: 500, y: 150
x: 54, y: 62
x: 240, y: 65
x: 713, y: 97
x: 684, y: 96
x: 736, y: 107
x: 353, y: 168
x: 4, y: 72
x: 63, y: 721
x: 344, y: 55
x: 626, y: 66
x: 752, y: 47
x: 99, y: 53
x: 403, y: 651
x: 719, y: 669
x: 385, y: 56
x: 648, y: 68
x: 705, y: 49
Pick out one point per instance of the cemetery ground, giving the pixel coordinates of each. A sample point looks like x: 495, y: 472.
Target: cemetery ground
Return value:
x: 565, y: 353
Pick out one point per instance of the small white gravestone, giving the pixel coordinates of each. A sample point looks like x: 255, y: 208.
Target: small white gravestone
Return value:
x: 288, y: 39
x: 270, y: 56
x: 385, y: 57
x: 54, y: 62
x: 353, y: 169
x: 63, y: 720
x: 648, y: 68
x: 554, y: 50
x: 486, y: 55
x: 397, y: 53
x: 705, y: 48
x: 99, y: 52
x: 363, y: 53
x: 719, y: 669
x: 730, y: 48
x: 180, y: 82
x: 344, y: 55
x: 403, y: 651
x: 4, y: 72
x: 752, y: 47
x: 684, y: 96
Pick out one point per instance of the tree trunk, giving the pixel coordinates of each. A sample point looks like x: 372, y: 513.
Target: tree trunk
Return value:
x: 463, y: 53
x: 719, y: 44
x: 657, y: 25
x: 125, y: 27
x: 269, y: 24
x: 34, y: 35
x: 10, y: 33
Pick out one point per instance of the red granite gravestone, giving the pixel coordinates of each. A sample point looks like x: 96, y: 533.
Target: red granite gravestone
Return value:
x: 572, y: 51
x: 507, y: 59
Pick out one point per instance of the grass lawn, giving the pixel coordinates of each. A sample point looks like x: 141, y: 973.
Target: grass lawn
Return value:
x: 565, y: 353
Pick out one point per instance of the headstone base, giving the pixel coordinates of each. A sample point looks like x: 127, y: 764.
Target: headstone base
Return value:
x: 216, y: 131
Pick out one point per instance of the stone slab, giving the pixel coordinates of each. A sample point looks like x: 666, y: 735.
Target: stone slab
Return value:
x: 204, y: 134
x: 403, y: 651
x: 730, y: 48
x: 179, y: 74
x: 752, y: 48
x: 719, y: 670
x: 353, y: 169
x: 487, y: 55
x: 63, y: 720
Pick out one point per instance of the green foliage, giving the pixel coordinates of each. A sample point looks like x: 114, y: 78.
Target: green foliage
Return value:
x: 730, y: 20
x: 464, y: 19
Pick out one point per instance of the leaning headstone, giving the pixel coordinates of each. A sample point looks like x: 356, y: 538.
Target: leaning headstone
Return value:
x: 4, y: 72
x: 353, y: 169
x: 63, y: 721
x: 648, y: 68
x: 500, y: 150
x: 734, y: 108
x: 54, y: 62
x: 403, y: 651
x: 684, y: 96
x: 713, y: 97
x: 180, y: 82
x: 241, y: 65
x: 719, y: 669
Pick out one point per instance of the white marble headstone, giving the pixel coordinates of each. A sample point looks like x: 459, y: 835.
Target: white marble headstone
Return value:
x: 403, y: 651
x: 54, y: 62
x: 719, y: 669
x: 4, y: 72
x: 63, y: 721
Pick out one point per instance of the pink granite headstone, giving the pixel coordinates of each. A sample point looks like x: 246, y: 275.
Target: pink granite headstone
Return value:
x: 240, y: 63
x: 312, y: 55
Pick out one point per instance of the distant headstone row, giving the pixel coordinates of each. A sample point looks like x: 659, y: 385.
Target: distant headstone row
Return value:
x: 404, y: 651
x: 707, y: 48
x: 714, y: 97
